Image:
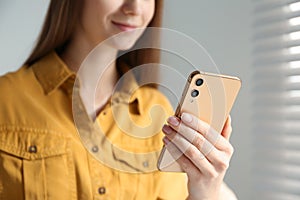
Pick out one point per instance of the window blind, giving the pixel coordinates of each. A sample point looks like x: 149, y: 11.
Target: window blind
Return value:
x: 276, y: 99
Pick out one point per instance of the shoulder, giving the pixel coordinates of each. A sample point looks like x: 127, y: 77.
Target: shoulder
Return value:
x: 8, y: 86
x: 17, y: 81
x: 17, y: 90
x: 16, y: 84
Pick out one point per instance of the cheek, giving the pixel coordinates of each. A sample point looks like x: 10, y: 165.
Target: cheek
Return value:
x: 149, y: 13
x: 93, y: 21
x: 96, y: 12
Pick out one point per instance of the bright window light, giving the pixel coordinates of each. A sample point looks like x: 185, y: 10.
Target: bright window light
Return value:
x: 294, y: 6
x: 294, y: 50
x: 294, y: 21
x: 294, y: 79
x: 294, y: 35
x: 294, y: 64
x: 294, y: 93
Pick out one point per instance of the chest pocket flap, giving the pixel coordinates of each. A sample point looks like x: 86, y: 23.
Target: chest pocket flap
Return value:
x: 31, y: 144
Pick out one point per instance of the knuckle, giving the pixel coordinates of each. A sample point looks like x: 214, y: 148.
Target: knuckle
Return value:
x: 198, y: 142
x: 177, y: 139
x: 198, y: 126
x: 194, y: 123
x: 184, y: 166
x: 223, y: 162
x: 223, y: 165
x: 180, y: 128
x: 192, y: 154
x: 212, y: 174
x: 229, y: 149
x: 232, y: 150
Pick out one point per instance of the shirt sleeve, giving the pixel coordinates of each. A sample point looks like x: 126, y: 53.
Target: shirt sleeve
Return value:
x: 173, y: 186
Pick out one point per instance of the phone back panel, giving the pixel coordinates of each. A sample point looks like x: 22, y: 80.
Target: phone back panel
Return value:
x: 211, y: 102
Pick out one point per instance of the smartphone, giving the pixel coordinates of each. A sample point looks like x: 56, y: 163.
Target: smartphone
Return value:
x: 208, y: 96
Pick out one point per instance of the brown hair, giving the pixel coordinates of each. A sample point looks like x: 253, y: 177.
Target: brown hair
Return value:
x: 60, y: 22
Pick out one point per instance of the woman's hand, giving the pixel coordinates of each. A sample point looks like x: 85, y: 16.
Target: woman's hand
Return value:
x: 204, y: 155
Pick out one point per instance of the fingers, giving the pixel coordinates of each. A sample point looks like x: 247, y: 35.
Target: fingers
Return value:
x: 194, y: 137
x: 202, y: 153
x: 191, y: 159
x: 185, y: 164
x: 201, y: 127
x: 227, y: 129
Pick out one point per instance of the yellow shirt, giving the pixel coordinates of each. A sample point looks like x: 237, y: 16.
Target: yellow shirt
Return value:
x: 45, y: 155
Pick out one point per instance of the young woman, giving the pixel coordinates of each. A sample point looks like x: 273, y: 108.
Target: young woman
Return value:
x: 41, y: 154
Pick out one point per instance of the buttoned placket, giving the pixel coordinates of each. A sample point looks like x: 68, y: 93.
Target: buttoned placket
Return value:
x: 84, y: 127
x: 87, y: 129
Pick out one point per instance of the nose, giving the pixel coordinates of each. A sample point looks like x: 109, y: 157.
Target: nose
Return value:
x: 132, y: 7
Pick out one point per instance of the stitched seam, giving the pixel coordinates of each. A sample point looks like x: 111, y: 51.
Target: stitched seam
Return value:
x: 21, y: 151
x: 1, y: 190
x: 71, y: 170
x: 10, y: 149
x: 13, y: 127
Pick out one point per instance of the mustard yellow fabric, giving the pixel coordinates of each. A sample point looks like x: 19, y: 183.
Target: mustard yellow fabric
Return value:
x: 45, y: 155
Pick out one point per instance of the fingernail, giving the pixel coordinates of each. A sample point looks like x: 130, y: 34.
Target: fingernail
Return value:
x: 173, y: 120
x: 166, y: 140
x: 186, y: 117
x: 166, y: 129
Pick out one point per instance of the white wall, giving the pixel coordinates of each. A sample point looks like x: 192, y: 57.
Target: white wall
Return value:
x: 20, y: 23
x: 222, y: 27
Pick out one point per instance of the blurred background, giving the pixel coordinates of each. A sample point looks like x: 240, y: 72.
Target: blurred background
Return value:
x: 258, y: 41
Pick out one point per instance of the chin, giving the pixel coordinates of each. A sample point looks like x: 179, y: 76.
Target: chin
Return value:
x: 125, y: 40
x: 123, y: 45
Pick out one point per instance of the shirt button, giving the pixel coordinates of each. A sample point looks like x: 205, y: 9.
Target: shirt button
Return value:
x: 32, y: 149
x: 95, y: 149
x: 146, y: 164
x: 101, y: 190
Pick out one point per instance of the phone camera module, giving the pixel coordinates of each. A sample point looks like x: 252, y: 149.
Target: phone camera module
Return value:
x: 199, y: 81
x: 195, y: 93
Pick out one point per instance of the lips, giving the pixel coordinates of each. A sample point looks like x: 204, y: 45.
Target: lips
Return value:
x: 124, y: 26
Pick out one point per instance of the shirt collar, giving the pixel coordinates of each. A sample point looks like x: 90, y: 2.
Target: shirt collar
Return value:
x: 51, y: 72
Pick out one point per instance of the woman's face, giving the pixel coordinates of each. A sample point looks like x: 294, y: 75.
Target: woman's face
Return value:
x: 102, y: 19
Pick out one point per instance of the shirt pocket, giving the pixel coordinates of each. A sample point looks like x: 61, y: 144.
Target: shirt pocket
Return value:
x: 35, y: 164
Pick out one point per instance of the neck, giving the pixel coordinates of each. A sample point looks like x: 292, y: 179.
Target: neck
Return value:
x: 96, y: 70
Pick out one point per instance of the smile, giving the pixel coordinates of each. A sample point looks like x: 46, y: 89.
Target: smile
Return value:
x: 124, y: 27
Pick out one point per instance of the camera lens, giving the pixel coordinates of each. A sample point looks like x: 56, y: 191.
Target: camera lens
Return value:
x: 195, y: 93
x: 199, y: 81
